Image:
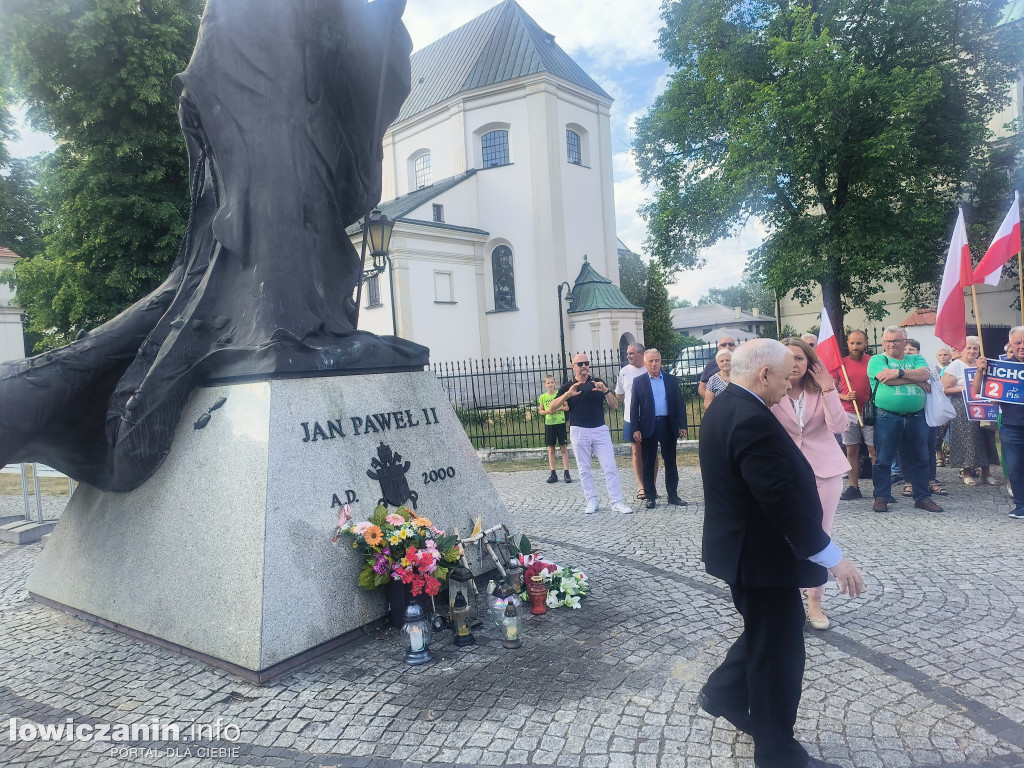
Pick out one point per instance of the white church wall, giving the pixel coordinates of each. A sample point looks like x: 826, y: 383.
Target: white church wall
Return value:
x: 460, y: 205
x: 12, y: 341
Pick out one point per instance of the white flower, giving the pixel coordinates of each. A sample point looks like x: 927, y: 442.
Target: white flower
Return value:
x: 572, y: 601
x: 553, y: 601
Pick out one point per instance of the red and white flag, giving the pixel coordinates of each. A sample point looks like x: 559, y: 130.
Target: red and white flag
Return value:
x: 1005, y: 245
x: 951, y: 316
x: 828, y: 345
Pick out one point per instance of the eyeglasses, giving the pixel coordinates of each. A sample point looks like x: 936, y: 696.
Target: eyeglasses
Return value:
x: 894, y: 341
x: 725, y: 344
x: 582, y: 363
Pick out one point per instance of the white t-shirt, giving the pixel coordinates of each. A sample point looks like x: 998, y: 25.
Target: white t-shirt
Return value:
x: 624, y: 384
x: 956, y: 368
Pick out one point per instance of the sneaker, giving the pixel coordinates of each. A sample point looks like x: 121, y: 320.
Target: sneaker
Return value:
x: 568, y: 479
x: 851, y: 493
x: 591, y: 508
x: 554, y: 477
x: 897, y: 479
x: 622, y: 507
x: 1017, y: 514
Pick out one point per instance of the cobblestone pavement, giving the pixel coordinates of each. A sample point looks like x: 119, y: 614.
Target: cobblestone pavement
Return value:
x: 927, y: 669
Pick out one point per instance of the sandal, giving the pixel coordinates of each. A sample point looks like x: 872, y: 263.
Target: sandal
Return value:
x: 908, y: 491
x: 937, y: 489
x: 989, y: 480
x: 641, y: 496
x: 970, y: 481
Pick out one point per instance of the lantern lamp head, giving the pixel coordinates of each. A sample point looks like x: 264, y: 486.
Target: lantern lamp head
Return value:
x: 416, y: 635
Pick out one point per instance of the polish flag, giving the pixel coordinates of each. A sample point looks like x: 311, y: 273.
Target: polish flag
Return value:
x: 951, y: 316
x: 1005, y: 244
x: 828, y: 346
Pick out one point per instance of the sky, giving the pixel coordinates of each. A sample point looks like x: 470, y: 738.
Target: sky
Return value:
x: 614, y: 41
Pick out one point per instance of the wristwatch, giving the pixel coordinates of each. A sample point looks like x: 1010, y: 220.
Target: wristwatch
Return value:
x: 900, y: 374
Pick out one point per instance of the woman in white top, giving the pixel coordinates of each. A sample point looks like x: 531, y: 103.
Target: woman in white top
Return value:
x: 720, y: 380
x: 970, y: 446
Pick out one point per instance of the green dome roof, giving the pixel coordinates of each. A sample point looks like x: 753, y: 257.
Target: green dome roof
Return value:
x: 594, y: 291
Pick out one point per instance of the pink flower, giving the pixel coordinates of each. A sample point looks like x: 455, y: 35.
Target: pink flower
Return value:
x: 345, y: 516
x: 360, y: 528
x: 395, y: 519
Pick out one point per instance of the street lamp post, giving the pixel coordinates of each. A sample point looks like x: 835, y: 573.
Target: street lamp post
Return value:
x: 377, y: 228
x: 561, y: 324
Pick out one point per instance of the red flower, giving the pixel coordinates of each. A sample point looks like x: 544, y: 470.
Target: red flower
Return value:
x: 417, y: 585
x: 433, y: 585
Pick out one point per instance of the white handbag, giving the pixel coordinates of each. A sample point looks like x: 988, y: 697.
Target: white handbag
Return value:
x: 937, y: 408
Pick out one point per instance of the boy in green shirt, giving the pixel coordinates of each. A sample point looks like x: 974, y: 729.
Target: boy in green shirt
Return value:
x: 554, y: 428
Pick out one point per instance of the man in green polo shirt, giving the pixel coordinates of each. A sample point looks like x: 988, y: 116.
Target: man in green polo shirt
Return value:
x: 900, y: 425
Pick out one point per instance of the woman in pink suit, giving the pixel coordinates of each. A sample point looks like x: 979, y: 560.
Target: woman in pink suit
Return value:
x: 813, y: 415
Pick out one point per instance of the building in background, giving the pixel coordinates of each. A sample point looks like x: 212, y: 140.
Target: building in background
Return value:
x: 12, y: 339
x: 498, y: 174
x: 703, y: 319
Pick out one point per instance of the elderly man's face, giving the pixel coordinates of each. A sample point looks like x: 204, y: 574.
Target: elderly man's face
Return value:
x: 1015, y: 347
x: 894, y: 345
x: 635, y: 357
x: 653, y: 362
x: 727, y: 342
x: 777, y: 381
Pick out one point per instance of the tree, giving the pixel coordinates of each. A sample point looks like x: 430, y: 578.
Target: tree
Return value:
x: 851, y: 129
x: 749, y: 294
x: 97, y: 74
x: 19, y: 209
x: 644, y: 285
x: 679, y: 303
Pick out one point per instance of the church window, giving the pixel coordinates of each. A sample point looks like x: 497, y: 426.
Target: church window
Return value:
x: 504, y: 278
x: 422, y: 169
x: 373, y: 292
x: 494, y: 146
x: 438, y: 213
x: 444, y: 292
x: 572, y: 146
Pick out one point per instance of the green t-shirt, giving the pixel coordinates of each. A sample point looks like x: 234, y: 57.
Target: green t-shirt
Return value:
x: 550, y: 418
x: 905, y: 398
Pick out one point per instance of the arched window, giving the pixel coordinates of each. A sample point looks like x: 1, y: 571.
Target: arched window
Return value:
x: 504, y: 278
x: 494, y: 148
x: 573, y: 147
x: 422, y: 170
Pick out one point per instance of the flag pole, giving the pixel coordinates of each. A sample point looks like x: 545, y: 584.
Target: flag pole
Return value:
x: 856, y: 410
x: 1020, y: 285
x: 977, y: 320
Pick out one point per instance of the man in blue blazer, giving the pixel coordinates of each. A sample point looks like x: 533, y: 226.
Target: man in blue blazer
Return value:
x: 763, y: 537
x: 657, y: 417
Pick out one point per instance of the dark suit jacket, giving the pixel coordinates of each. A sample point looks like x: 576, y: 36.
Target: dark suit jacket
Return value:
x: 641, y: 406
x: 762, y: 514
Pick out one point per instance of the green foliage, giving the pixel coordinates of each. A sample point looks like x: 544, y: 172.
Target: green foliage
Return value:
x: 748, y: 294
x: 633, y: 278
x: 686, y: 340
x: 97, y: 74
x: 679, y: 303
x: 852, y: 130
x: 520, y: 546
x: 658, y: 333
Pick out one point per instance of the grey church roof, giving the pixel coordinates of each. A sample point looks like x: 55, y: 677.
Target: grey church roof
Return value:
x: 595, y: 291
x: 400, y: 206
x: 500, y: 45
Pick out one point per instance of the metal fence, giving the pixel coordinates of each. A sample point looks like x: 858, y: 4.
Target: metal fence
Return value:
x: 496, y: 399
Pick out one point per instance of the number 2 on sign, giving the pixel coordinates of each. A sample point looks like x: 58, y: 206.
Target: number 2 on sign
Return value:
x: 993, y: 389
x: 977, y: 412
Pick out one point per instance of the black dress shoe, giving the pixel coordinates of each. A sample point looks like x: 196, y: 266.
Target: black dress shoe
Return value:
x: 813, y: 762
x: 739, y: 720
x: 651, y: 503
x: 676, y: 501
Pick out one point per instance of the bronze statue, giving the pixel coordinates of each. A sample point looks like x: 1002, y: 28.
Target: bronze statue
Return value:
x: 277, y: 106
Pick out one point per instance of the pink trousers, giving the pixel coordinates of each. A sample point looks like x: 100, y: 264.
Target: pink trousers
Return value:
x: 829, y: 490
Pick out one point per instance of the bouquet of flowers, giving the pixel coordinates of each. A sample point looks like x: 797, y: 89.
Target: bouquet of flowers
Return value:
x: 566, y: 586
x: 400, y: 546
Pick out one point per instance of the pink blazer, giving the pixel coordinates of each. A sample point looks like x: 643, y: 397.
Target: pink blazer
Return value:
x: 824, y: 418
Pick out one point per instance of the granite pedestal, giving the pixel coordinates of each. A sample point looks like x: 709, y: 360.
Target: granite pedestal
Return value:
x: 226, y: 551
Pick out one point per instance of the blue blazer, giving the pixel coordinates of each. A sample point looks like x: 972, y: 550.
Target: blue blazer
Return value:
x: 641, y: 408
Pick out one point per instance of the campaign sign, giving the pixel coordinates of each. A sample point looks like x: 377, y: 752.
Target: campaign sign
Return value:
x: 1004, y: 382
x: 978, y: 408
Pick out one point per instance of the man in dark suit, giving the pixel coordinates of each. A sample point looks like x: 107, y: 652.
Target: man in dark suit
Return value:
x: 657, y: 417
x: 763, y: 536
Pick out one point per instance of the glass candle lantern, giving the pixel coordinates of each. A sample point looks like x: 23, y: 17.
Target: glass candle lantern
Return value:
x: 514, y: 575
x: 460, y: 622
x: 510, y: 634
x: 503, y: 595
x: 460, y: 582
x: 416, y: 635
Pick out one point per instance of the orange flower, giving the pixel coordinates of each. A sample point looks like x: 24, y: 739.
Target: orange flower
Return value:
x: 421, y: 522
x: 374, y: 536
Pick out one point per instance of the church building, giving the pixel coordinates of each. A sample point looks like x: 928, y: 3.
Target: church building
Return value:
x: 498, y: 175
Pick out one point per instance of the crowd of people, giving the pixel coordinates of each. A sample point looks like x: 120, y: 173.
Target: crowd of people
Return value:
x: 779, y: 434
